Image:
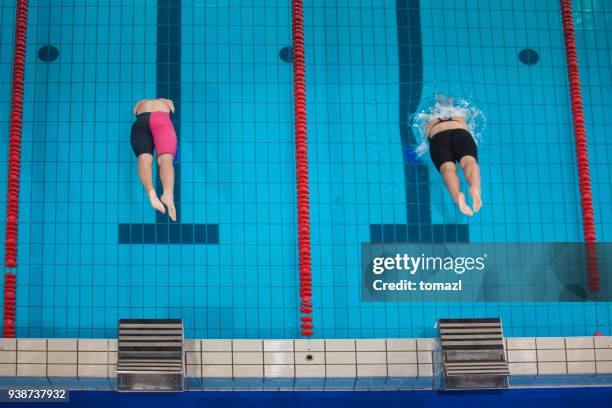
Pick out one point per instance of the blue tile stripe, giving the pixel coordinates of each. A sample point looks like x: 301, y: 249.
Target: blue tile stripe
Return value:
x: 168, y: 85
x: 168, y: 233
x: 410, y: 60
x: 419, y: 227
x: 169, y: 80
x: 432, y: 233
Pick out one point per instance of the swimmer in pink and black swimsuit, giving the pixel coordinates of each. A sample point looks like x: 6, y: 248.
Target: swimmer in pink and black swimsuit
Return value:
x: 153, y: 130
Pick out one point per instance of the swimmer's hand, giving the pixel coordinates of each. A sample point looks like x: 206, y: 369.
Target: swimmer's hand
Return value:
x: 444, y: 100
x: 441, y: 99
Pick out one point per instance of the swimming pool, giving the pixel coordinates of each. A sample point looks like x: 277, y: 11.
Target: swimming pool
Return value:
x: 92, y: 251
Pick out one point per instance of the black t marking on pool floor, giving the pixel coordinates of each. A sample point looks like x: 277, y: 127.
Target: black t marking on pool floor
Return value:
x: 418, y: 227
x: 168, y: 85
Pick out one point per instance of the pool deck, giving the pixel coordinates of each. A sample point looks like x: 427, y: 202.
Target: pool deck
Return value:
x: 351, y: 364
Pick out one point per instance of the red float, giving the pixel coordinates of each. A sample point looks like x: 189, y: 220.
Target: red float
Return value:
x: 301, y: 160
x: 12, y: 196
x: 582, y: 154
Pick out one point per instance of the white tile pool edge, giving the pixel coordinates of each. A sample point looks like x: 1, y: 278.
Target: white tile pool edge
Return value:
x: 349, y: 364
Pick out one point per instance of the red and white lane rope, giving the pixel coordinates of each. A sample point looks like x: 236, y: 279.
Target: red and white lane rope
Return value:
x: 301, y: 159
x: 14, y: 163
x: 582, y: 154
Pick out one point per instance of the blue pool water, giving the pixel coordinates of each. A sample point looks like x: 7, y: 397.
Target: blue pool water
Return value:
x: 91, y: 250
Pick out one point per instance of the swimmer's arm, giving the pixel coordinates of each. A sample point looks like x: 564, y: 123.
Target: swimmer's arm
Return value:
x: 170, y: 104
x: 136, y: 106
x: 429, y: 126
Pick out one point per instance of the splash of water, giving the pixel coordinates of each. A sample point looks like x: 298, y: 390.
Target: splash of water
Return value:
x: 445, y: 107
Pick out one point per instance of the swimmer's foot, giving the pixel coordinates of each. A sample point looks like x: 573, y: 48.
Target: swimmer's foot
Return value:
x: 155, y: 203
x: 476, y: 200
x: 463, y: 207
x: 169, y: 201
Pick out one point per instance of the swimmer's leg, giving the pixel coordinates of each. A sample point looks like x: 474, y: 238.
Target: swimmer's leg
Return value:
x: 145, y: 168
x: 451, y: 180
x: 166, y: 174
x: 471, y: 170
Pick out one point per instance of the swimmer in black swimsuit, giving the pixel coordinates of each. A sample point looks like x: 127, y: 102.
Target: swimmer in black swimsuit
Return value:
x: 450, y: 141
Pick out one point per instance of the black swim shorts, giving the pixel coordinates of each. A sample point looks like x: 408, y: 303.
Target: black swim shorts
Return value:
x: 451, y: 146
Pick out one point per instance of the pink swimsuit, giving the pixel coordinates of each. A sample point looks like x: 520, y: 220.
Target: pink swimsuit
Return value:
x: 153, y: 131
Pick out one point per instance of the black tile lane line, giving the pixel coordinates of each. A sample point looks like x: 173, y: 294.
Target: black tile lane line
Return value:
x: 168, y: 85
x: 410, y: 59
x: 419, y: 227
